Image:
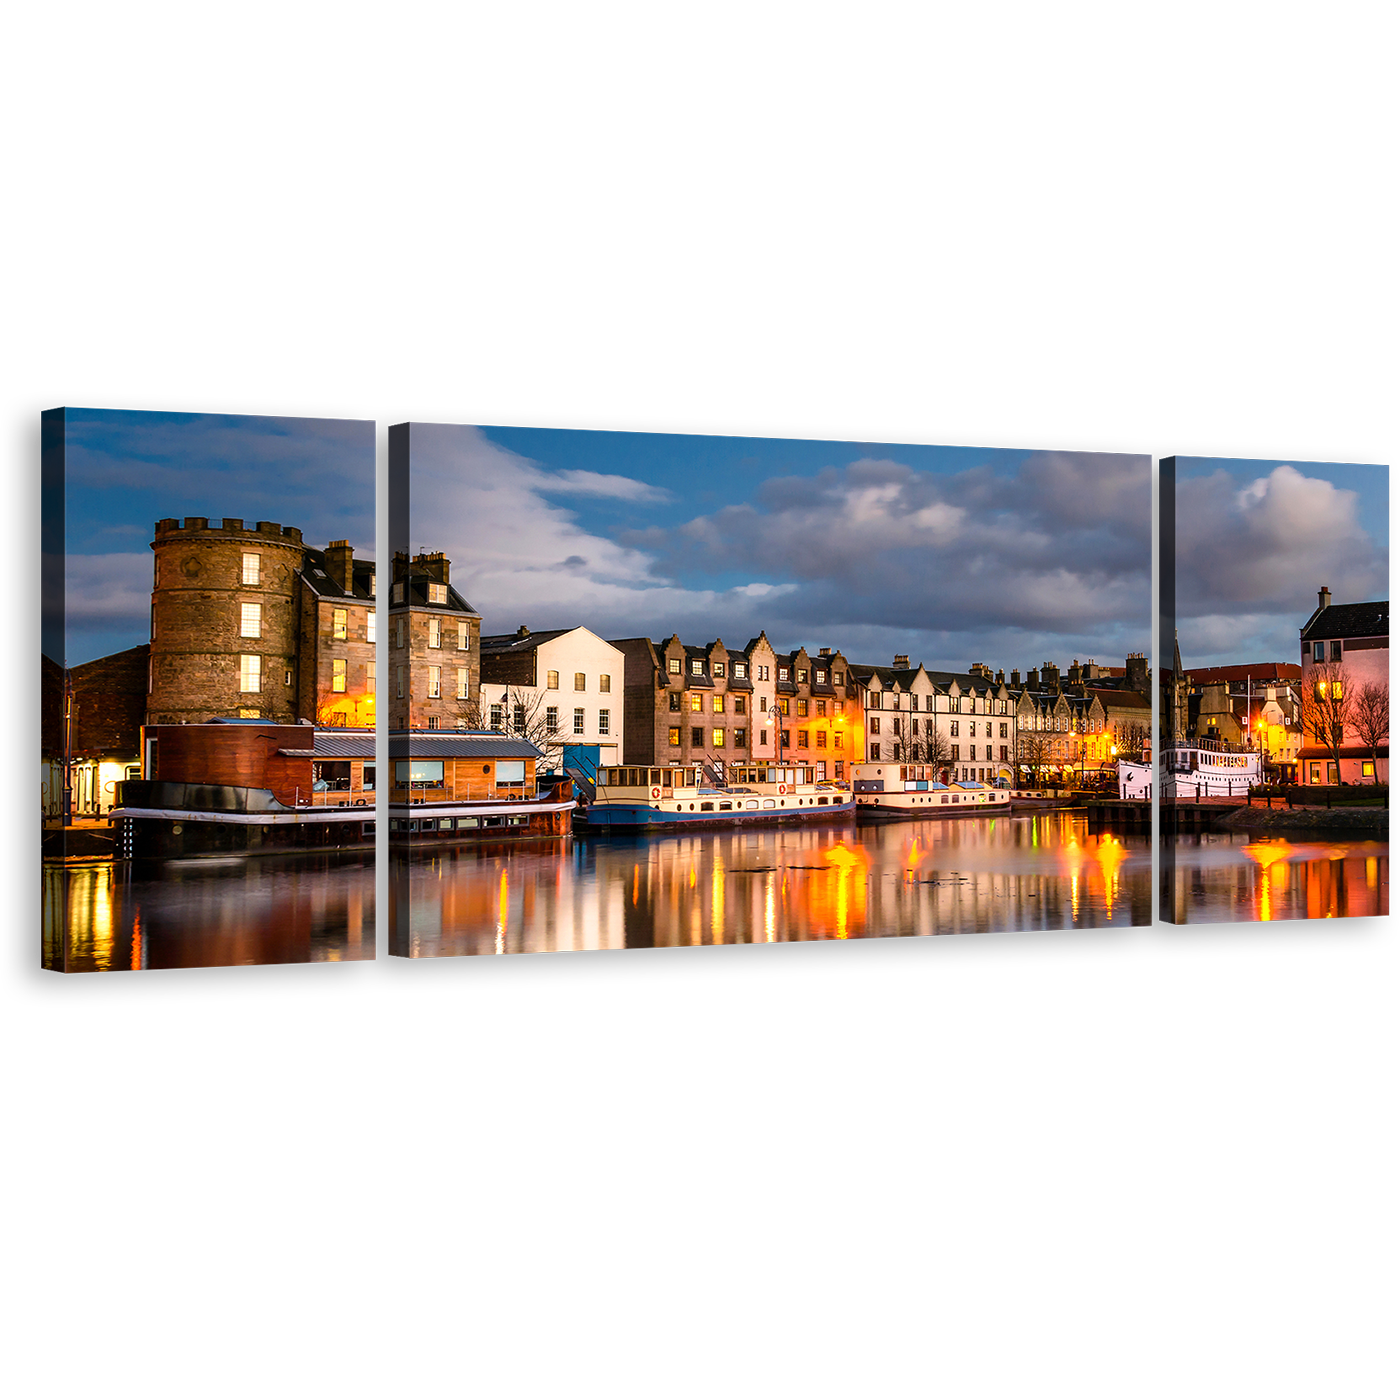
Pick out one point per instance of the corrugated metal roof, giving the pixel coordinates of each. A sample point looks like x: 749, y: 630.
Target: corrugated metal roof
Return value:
x: 332, y: 743
x: 429, y: 745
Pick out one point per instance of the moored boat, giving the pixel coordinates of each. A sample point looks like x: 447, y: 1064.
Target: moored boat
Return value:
x: 633, y: 798
x: 887, y: 791
x: 1208, y: 768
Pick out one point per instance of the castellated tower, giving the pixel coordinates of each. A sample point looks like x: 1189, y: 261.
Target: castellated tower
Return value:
x: 224, y: 621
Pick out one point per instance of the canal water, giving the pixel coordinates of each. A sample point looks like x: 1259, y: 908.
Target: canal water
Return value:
x: 108, y: 916
x: 1227, y: 877
x: 775, y: 885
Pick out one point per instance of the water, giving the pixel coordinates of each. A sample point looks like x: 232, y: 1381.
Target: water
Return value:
x: 1225, y: 877
x: 775, y: 885
x: 199, y: 913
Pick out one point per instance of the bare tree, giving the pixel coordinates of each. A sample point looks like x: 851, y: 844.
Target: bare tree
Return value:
x: 1033, y: 750
x: 1328, y: 701
x: 522, y: 714
x: 1371, y: 720
x: 1131, y: 737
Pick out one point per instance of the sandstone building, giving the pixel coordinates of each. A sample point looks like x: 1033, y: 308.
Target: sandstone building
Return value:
x: 434, y: 647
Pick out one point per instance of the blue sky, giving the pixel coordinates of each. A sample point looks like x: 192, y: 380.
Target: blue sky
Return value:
x: 1255, y: 541
x: 126, y: 470
x: 949, y: 554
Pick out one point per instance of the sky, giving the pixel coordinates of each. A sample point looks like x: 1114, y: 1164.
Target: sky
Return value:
x: 126, y: 470
x: 1255, y: 540
x: 950, y: 555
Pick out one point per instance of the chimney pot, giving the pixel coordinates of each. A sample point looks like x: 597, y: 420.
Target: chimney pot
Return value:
x: 1324, y: 597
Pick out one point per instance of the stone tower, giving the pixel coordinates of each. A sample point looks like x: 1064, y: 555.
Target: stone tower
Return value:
x: 224, y: 621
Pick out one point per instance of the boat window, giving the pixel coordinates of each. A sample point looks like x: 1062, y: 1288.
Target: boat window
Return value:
x: 726, y: 806
x: 707, y: 806
x: 822, y: 801
x: 751, y: 806
x: 655, y: 777
x: 444, y: 823
x: 464, y: 822
x: 768, y: 802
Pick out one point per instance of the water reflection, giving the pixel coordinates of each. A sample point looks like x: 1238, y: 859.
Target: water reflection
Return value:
x: 1223, y: 877
x: 771, y: 885
x: 110, y: 916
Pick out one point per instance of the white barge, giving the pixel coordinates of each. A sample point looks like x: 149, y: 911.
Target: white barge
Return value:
x: 636, y: 798
x: 1207, y: 768
x: 884, y: 791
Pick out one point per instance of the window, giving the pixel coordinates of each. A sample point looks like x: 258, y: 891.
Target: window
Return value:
x: 717, y: 738
x: 697, y: 737
x: 673, y: 736
x: 435, y: 632
x: 740, y: 670
x: 551, y: 680
x: 821, y: 738
x: 785, y: 705
x: 605, y: 684
x: 396, y: 593
x: 339, y: 629
x: 717, y: 704
x: 367, y: 778
x: 695, y: 701
x: 801, y: 738
x: 801, y: 708
x: 763, y: 673
x: 1003, y: 731
x: 399, y: 681
x: 953, y: 728
x: 518, y: 717
x: 434, y: 682
x: 1368, y: 769
x: 739, y: 704
x: 719, y: 670
x: 837, y: 742
x: 578, y: 721
x: 498, y: 716
x: 1319, y: 651
x: 398, y: 632
x: 437, y: 593
x: 989, y: 752
x: 1003, y: 753
x: 604, y: 721
x: 673, y: 665
x: 801, y: 676
x: 418, y: 772
x: 782, y: 673
x: 463, y: 640
x: 821, y: 707
x: 694, y: 668
x: 287, y: 677
x: 252, y: 569
x: 250, y: 674
x: 551, y: 719
x: 580, y: 681
x: 250, y: 714
x: 369, y: 625
x: 957, y: 752
x: 874, y: 753
x: 461, y: 682
x: 338, y: 677
x: 763, y: 704
x: 740, y: 738
x: 1336, y: 690
x: 1336, y: 651
x: 251, y: 625
x: 819, y: 677
x: 874, y: 724
x: 673, y: 700
x: 432, y: 721
x: 369, y: 677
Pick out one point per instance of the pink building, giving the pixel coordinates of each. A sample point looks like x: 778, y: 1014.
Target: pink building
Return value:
x: 1356, y: 635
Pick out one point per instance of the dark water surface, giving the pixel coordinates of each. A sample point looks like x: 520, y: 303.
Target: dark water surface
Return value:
x: 775, y: 885
x: 210, y: 913
x: 1228, y: 877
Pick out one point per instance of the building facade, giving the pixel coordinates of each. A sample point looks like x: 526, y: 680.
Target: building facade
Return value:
x: 434, y: 648
x: 562, y: 689
x: 1344, y: 646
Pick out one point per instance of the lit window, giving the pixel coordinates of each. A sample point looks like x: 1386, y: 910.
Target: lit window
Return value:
x: 673, y: 665
x: 339, y: 624
x: 821, y: 738
x: 435, y: 632
x: 740, y: 670
x: 498, y: 716
x: 252, y: 568
x: 673, y: 737
x: 819, y: 677
x: 694, y: 668
x: 250, y: 673
x: 695, y: 701
x: 717, y: 738
x: 1368, y: 769
x: 461, y: 682
x: 437, y: 593
x: 605, y: 684
x: 719, y: 670
x: 463, y: 642
x: 369, y: 625
x: 801, y: 708
x: 434, y: 682
x: 801, y: 677
x: 578, y: 721
x: 785, y: 705
x: 551, y: 720
x: 673, y: 700
x: 250, y: 714
x: 717, y: 704
x: 287, y: 677
x: 782, y: 673
x: 396, y: 593
x: 580, y: 681
x: 252, y: 620
x: 836, y: 741
x: 604, y: 720
x: 369, y: 677
x: 338, y: 677
x: 551, y: 680
x: 836, y: 678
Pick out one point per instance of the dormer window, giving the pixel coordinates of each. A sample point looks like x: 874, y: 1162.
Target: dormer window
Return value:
x: 673, y: 665
x: 695, y: 669
x: 819, y: 677
x: 719, y: 670
x: 437, y: 593
x: 396, y: 593
x: 740, y: 670
x: 782, y: 673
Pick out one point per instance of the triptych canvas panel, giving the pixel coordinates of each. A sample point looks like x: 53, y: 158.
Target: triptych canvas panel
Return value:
x: 653, y: 690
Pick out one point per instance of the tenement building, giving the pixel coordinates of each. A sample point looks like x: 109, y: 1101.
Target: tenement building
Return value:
x: 434, y: 648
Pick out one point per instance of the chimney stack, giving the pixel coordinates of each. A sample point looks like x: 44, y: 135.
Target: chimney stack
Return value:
x: 340, y: 564
x: 1324, y: 598
x: 1016, y: 679
x: 436, y: 566
x: 901, y: 663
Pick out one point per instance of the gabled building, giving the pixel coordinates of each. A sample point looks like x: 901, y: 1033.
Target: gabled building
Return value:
x: 1354, y: 637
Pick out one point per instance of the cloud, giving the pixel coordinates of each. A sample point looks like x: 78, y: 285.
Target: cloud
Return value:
x: 107, y: 592
x: 581, y: 483
x: 872, y: 555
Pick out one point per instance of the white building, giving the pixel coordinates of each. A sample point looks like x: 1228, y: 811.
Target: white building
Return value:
x: 560, y: 688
